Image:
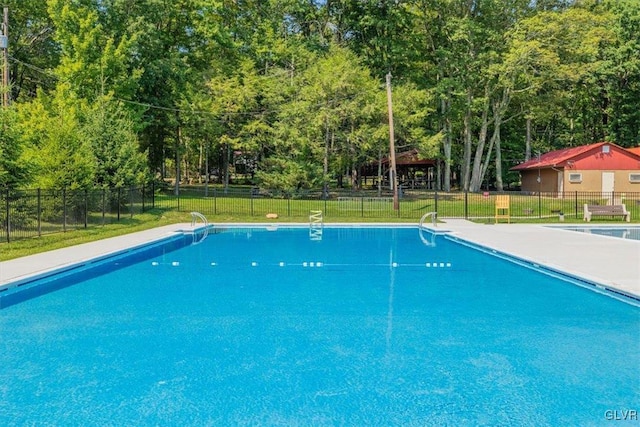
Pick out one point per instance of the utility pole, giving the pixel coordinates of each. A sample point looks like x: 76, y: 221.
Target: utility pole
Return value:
x: 4, y: 44
x: 392, y: 148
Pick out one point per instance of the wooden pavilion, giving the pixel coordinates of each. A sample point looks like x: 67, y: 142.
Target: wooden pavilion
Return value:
x: 412, y: 170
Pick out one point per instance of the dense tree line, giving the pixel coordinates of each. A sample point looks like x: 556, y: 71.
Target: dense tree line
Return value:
x: 291, y: 92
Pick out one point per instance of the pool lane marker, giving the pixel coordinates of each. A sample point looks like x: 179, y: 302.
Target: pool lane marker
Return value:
x: 173, y: 263
x: 315, y: 264
x: 436, y: 265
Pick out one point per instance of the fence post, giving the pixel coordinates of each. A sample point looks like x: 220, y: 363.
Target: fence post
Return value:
x: 288, y: 205
x: 215, y: 202
x: 86, y: 207
x: 539, y: 204
x: 466, y: 204
x: 153, y: 194
x: 118, y: 204
x: 361, y: 206
x: 435, y: 200
x: 8, y: 218
x: 64, y: 209
x: 131, y: 201
x: 39, y: 213
x: 103, y: 200
x: 576, y: 203
x: 251, y: 201
x: 142, y: 198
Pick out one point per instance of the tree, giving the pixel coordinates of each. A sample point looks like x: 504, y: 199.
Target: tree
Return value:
x: 33, y: 52
x: 294, y: 86
x: 380, y: 32
x: 560, y: 55
x: 620, y: 75
x: 54, y: 142
x: 13, y: 168
x: 321, y: 123
x: 92, y: 61
x: 114, y: 143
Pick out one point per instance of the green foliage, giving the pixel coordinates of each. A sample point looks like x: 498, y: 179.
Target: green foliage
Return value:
x: 13, y: 168
x: 55, y: 147
x: 294, y: 88
x: 287, y: 174
x: 69, y: 143
x: 412, y: 108
x: 327, y: 124
x: 114, y: 143
x: 92, y: 60
x: 621, y: 74
x: 32, y: 48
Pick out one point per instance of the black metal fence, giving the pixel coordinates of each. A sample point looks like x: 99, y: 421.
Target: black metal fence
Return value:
x: 31, y: 213
x: 369, y: 204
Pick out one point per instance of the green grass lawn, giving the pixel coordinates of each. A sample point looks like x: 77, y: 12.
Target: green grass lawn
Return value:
x: 458, y: 205
x: 47, y: 242
x: 169, y: 210
x: 151, y: 219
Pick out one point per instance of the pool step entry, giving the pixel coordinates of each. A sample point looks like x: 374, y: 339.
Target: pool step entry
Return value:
x: 315, y: 225
x: 195, y: 216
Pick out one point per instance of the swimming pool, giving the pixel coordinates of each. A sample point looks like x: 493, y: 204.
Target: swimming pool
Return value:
x: 632, y: 233
x: 365, y: 326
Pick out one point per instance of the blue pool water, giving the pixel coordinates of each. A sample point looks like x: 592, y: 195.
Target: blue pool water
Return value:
x: 368, y: 326
x: 632, y: 233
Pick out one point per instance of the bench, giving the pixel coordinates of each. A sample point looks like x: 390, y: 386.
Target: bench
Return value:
x: 606, y: 210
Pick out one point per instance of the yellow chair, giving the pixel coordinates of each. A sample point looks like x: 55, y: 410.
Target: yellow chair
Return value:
x: 502, y: 208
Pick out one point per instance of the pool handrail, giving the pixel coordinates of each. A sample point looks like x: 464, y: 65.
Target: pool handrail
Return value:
x: 195, y: 216
x: 434, y: 218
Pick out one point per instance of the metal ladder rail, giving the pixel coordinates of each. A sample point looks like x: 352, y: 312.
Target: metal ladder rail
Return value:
x: 315, y: 225
x: 195, y: 216
x: 434, y: 217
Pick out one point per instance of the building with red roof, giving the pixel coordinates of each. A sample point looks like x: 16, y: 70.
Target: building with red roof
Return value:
x: 602, y: 166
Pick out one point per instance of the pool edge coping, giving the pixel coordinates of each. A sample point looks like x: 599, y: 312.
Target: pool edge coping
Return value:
x: 159, y: 234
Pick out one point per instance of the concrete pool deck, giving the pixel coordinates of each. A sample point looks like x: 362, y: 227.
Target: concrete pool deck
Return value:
x: 609, y: 261
x: 42, y: 264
